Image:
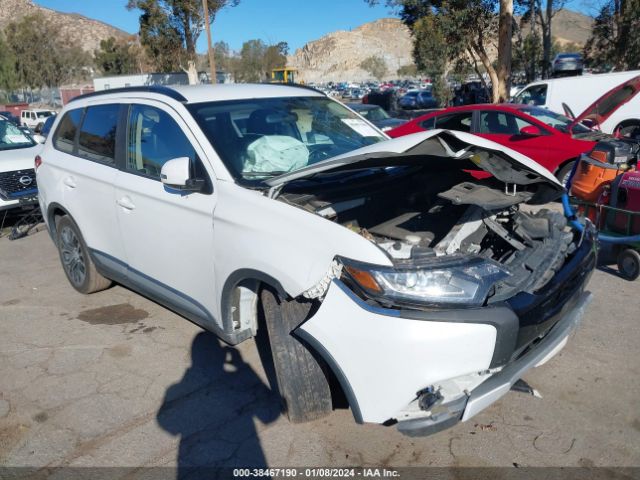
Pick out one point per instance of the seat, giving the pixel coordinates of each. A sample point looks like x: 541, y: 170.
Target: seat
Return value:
x: 273, y: 122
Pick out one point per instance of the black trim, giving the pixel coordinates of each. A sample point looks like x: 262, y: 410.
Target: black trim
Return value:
x: 171, y: 298
x: 335, y: 368
x: 160, y: 90
x: 232, y: 282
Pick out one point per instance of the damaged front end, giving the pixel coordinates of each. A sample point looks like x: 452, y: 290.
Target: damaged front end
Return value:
x: 477, y: 282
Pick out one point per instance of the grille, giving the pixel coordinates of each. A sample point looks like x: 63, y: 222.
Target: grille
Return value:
x: 11, y: 187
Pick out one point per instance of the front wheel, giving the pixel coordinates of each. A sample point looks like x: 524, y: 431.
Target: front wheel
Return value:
x: 629, y: 264
x: 304, y: 389
x: 76, y: 262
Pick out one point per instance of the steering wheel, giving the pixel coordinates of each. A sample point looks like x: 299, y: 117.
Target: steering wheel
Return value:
x: 317, y: 153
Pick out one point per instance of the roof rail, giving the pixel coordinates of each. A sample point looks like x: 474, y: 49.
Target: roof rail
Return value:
x: 159, y: 89
x: 296, y: 85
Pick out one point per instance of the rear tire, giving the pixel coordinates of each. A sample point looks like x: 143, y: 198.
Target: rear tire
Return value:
x: 303, y: 386
x: 76, y: 262
x: 629, y: 264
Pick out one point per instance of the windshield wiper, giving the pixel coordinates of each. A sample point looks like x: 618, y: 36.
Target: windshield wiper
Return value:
x: 264, y: 174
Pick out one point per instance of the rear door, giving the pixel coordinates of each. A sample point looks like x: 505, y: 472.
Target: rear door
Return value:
x: 167, y: 235
x: 85, y: 169
x: 504, y: 128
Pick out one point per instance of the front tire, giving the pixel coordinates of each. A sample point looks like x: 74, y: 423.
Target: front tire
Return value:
x: 76, y: 262
x: 304, y: 389
x: 629, y: 264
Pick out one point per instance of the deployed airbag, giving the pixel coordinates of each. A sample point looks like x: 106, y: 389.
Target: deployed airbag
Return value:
x: 276, y: 153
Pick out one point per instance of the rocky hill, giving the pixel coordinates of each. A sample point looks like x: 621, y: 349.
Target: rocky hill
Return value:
x: 338, y: 55
x: 80, y: 30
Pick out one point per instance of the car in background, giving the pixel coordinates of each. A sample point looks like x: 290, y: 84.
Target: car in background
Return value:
x: 551, y: 139
x: 417, y: 99
x: 35, y: 118
x: 17, y: 177
x: 376, y: 115
x: 567, y: 63
x: 9, y: 116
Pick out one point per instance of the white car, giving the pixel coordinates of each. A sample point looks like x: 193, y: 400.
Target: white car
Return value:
x: 35, y: 118
x: 17, y: 177
x: 426, y: 292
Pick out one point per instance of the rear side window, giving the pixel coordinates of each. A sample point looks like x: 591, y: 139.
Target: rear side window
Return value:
x: 97, y: 140
x: 429, y: 123
x: 65, y: 135
x: 456, y: 121
x: 153, y: 138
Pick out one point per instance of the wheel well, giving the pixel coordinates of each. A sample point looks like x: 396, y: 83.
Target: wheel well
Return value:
x: 55, y: 212
x: 564, y: 164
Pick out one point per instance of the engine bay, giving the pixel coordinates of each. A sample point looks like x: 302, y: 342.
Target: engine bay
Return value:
x: 414, y: 216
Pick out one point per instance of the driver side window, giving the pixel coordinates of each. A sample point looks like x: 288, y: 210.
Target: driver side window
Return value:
x: 153, y: 138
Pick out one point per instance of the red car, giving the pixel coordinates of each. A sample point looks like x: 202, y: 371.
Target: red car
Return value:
x: 550, y: 139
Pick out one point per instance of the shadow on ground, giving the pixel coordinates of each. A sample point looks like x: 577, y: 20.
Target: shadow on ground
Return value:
x: 215, y: 408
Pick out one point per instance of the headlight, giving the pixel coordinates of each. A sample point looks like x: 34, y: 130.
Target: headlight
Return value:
x: 441, y: 281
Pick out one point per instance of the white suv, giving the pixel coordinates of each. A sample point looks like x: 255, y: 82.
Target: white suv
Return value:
x: 17, y: 177
x: 422, y: 288
x: 34, y: 119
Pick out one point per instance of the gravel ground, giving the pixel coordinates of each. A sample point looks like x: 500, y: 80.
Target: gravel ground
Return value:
x: 112, y: 379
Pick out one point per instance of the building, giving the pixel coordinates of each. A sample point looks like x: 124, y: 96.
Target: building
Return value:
x: 147, y: 79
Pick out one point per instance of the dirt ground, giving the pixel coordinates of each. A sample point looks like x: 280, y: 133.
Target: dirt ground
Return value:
x: 113, y: 379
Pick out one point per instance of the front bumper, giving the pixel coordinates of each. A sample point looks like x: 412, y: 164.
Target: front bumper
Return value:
x: 500, y: 383
x: 385, y: 358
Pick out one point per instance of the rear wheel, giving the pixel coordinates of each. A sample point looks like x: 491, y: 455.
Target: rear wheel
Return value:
x: 304, y: 389
x: 76, y: 262
x: 629, y: 264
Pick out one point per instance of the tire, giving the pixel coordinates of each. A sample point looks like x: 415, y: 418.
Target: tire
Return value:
x: 76, y: 262
x: 564, y: 172
x: 629, y: 264
x: 303, y: 386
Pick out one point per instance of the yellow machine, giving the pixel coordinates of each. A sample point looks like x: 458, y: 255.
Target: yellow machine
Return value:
x: 284, y: 75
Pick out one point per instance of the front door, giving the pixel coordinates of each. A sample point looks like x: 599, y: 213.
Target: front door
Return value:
x: 504, y: 128
x: 167, y: 235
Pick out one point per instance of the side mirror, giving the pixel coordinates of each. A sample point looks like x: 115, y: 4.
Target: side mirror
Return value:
x: 176, y: 174
x: 39, y: 138
x: 530, y: 131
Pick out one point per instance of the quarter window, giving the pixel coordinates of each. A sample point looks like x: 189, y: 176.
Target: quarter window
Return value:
x: 97, y: 139
x: 456, y: 121
x: 153, y: 138
x: 65, y: 135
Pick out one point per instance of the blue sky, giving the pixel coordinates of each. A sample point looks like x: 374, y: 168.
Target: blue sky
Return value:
x: 293, y: 21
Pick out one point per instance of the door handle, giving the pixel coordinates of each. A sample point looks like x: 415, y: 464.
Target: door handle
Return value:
x: 70, y: 182
x: 126, y: 203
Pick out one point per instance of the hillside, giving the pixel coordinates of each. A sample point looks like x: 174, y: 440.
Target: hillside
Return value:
x: 80, y: 30
x: 337, y: 56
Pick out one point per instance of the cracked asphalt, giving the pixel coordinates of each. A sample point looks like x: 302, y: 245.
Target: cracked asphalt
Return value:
x: 112, y: 379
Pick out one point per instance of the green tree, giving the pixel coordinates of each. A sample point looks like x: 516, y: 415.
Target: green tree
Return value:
x: 375, y: 66
x: 169, y: 29
x: 615, y: 37
x: 116, y: 57
x: 8, y: 77
x: 257, y: 59
x: 42, y: 56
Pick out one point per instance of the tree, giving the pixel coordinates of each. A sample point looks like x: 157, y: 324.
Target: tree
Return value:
x: 536, y: 13
x: 375, y: 66
x: 169, y: 29
x: 116, y: 57
x: 8, y: 77
x: 42, y: 56
x: 464, y: 28
x: 257, y: 59
x: 615, y: 38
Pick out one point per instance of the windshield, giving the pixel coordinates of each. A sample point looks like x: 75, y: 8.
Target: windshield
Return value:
x: 534, y: 95
x: 373, y: 114
x: 44, y: 114
x: 265, y: 137
x: 411, y: 94
x: 12, y: 137
x: 555, y: 120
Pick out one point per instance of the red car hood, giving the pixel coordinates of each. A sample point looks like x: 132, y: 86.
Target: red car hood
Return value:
x: 611, y: 101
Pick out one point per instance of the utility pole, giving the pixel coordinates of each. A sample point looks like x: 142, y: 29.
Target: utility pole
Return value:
x: 207, y: 26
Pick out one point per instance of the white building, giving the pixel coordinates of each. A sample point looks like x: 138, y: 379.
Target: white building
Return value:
x: 147, y: 79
